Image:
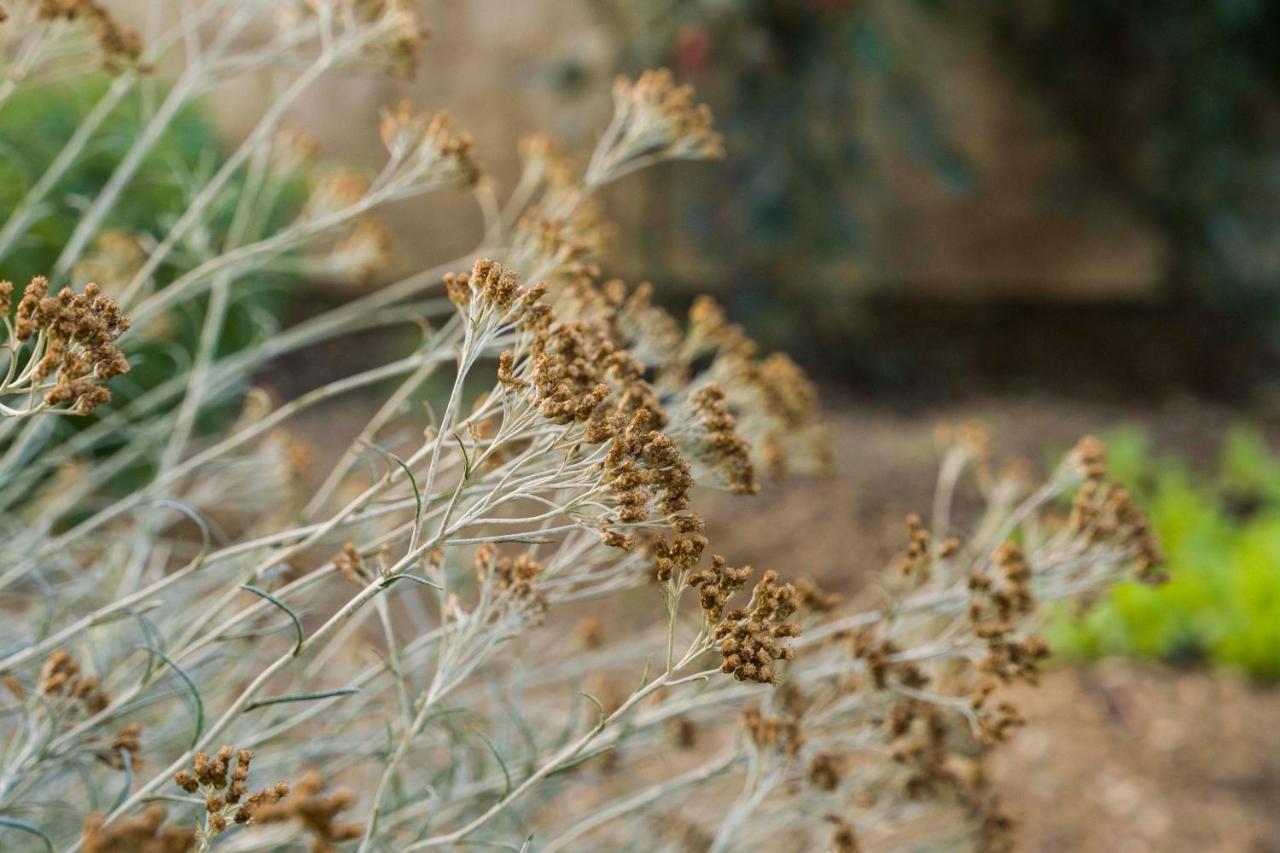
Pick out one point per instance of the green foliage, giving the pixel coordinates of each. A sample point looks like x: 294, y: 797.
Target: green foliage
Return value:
x: 35, y: 123
x: 1222, y: 538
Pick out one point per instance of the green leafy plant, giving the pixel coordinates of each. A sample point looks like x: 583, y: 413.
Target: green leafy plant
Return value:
x: 185, y: 153
x: 36, y: 116
x: 1221, y: 535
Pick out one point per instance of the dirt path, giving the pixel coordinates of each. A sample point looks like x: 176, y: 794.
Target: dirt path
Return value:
x: 1130, y: 758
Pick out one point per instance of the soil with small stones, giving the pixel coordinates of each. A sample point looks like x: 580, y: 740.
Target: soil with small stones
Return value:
x: 1136, y: 758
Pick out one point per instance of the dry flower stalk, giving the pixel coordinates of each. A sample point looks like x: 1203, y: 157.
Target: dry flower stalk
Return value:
x: 29, y: 42
x: 654, y: 119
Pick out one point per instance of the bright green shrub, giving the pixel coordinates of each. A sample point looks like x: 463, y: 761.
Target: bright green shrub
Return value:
x: 1222, y: 538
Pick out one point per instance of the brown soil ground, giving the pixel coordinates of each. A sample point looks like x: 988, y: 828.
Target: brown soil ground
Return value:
x: 845, y: 527
x: 1133, y: 758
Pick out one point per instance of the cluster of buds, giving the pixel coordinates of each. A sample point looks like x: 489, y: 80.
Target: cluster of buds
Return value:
x: 224, y: 788
x: 512, y: 581
x: 580, y: 373
x: 750, y: 640
x: 293, y: 152
x: 545, y: 163
x: 923, y: 740
x: 317, y: 810
x: 127, y: 741
x: 843, y: 837
x: 711, y: 331
x: 72, y: 338
x: 919, y: 733
x: 591, y: 368
x: 563, y: 228
x: 815, y: 599
x: 926, y: 681
x: 490, y: 293
x: 879, y: 659
x: 1104, y: 512
x: 654, y: 120
x: 654, y: 335
x: 716, y: 584
x: 777, y: 405
x: 120, y: 46
x: 389, y: 34
x: 558, y: 241
x: 353, y: 254
x: 402, y: 35
x: 825, y: 771
x: 351, y: 563
x: 569, y: 362
x: 359, y: 255
x: 780, y: 732
x: 142, y: 833
x: 425, y: 151
x: 996, y: 607
x: 644, y: 469
x: 332, y: 193
x: 61, y: 677
x: 682, y: 551
x: 717, y: 440
x: 917, y: 560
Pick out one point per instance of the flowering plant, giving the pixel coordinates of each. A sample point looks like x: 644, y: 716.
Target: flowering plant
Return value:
x: 387, y: 637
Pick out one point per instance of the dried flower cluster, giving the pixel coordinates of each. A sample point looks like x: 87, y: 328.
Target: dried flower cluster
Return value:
x: 146, y: 832
x: 224, y: 789
x: 117, y: 47
x: 387, y: 33
x: 654, y: 119
x: 61, y: 678
x: 1103, y: 511
x: 920, y: 677
x: 61, y: 349
x: 317, y: 809
x: 512, y: 580
x: 426, y: 143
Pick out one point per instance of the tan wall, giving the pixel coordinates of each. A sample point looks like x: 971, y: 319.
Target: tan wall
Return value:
x: 1032, y: 226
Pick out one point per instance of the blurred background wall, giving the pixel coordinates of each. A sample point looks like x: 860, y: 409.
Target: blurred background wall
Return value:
x: 918, y: 194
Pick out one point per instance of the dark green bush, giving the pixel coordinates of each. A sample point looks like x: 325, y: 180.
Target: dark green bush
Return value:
x: 34, y: 125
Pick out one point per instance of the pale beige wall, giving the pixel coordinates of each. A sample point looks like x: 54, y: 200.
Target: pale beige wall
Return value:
x: 489, y: 63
